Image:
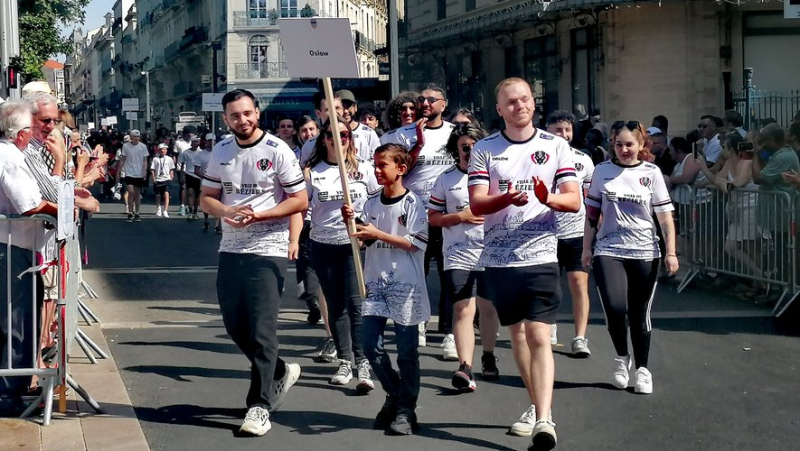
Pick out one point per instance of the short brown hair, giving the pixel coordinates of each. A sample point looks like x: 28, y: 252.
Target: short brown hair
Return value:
x: 396, y: 152
x: 507, y: 82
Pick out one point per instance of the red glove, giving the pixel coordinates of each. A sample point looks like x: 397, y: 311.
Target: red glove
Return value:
x: 540, y: 190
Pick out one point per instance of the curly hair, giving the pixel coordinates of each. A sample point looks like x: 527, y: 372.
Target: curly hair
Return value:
x: 462, y: 130
x: 391, y: 116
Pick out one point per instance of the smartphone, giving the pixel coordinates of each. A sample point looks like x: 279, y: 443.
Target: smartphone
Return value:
x: 745, y: 147
x: 697, y: 149
x: 367, y: 243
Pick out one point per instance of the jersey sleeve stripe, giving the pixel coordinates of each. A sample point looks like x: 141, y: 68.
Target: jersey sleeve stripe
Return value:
x: 478, y: 173
x: 565, y: 170
x: 295, y: 183
x: 420, y: 237
x: 565, y: 174
x: 594, y: 198
x: 478, y: 177
x: 211, y: 179
x: 658, y: 204
x: 436, y: 199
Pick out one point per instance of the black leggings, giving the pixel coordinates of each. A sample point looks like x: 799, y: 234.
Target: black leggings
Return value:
x: 627, y: 288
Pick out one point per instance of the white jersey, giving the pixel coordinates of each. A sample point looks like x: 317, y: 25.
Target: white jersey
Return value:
x: 135, y: 158
x: 162, y: 165
x: 463, y: 243
x: 179, y: 148
x: 189, y: 161
x: 570, y: 225
x: 389, y: 137
x: 364, y: 138
x: 526, y: 235
x: 201, y: 160
x: 433, y: 159
x: 395, y: 278
x: 627, y: 197
x: 326, y: 198
x: 259, y: 175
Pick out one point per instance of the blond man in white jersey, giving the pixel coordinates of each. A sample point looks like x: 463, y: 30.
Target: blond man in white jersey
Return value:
x: 511, y: 174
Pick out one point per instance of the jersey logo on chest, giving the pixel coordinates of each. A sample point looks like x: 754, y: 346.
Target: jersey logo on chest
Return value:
x: 579, y: 166
x: 645, y: 181
x: 540, y: 157
x: 263, y: 165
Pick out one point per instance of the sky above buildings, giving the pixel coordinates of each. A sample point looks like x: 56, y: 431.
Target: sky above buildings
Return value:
x: 95, y: 11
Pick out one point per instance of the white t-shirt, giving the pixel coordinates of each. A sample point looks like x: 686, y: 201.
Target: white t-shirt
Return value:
x: 463, y: 243
x: 570, y: 225
x: 713, y: 149
x: 395, y: 278
x: 162, y: 165
x: 190, y: 161
x: 326, y: 198
x: 18, y: 193
x: 135, y: 159
x: 180, y: 147
x: 201, y: 160
x: 627, y: 197
x: 364, y: 138
x: 259, y: 175
x: 433, y: 158
x: 526, y: 235
x: 389, y: 137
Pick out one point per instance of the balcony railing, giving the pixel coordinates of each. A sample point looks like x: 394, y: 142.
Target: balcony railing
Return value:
x: 249, y: 19
x: 250, y: 71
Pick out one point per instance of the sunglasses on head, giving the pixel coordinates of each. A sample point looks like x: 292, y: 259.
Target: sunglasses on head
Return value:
x: 630, y: 125
x: 430, y: 99
x: 343, y: 135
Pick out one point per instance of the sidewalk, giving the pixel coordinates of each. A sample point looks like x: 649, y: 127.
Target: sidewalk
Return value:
x: 81, y: 428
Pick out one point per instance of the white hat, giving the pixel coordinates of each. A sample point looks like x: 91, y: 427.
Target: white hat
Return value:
x: 653, y: 131
x: 37, y: 86
x: 136, y: 133
x: 210, y: 137
x: 163, y: 146
x: 195, y: 138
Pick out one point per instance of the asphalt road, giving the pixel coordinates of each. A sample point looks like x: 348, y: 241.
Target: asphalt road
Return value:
x: 726, y: 375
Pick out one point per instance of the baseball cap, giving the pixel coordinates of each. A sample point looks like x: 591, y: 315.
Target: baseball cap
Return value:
x: 136, y: 133
x: 653, y: 131
x: 210, y: 137
x: 346, y: 96
x: 163, y: 146
x: 195, y: 138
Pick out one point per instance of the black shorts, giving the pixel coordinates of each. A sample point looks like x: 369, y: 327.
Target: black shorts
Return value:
x: 569, y: 254
x: 135, y: 181
x: 530, y: 293
x: 160, y: 187
x: 461, y: 285
x: 193, y: 183
x: 181, y: 178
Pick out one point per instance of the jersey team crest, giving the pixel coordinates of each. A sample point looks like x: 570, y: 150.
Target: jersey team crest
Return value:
x: 263, y: 165
x: 357, y: 176
x: 645, y: 181
x: 540, y: 157
x: 579, y: 166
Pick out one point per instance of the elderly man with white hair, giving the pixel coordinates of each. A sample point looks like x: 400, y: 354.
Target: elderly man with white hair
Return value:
x: 19, y: 195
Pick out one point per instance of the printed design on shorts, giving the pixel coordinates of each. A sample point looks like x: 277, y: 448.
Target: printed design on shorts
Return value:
x: 390, y: 298
x: 645, y: 181
x: 540, y: 157
x: 517, y: 240
x: 263, y: 164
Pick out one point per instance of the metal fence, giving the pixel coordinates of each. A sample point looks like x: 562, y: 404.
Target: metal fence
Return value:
x: 746, y: 233
x: 756, y: 106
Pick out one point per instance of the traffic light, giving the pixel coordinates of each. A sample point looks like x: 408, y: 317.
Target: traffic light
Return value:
x: 12, y: 77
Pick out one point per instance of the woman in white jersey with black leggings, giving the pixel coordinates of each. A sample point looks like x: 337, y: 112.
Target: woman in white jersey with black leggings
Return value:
x: 627, y: 191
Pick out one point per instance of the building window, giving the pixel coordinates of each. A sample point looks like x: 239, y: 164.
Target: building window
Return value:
x: 441, y: 9
x: 585, y: 70
x: 470, y: 5
x: 541, y: 71
x: 257, y: 9
x: 289, y: 8
x: 258, y: 46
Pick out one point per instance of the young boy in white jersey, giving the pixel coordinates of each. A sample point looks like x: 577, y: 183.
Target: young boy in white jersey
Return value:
x: 570, y: 238
x: 163, y: 171
x: 511, y: 174
x: 448, y: 207
x: 394, y: 226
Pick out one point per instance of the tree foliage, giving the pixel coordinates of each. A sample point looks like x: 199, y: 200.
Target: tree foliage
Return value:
x: 39, y: 35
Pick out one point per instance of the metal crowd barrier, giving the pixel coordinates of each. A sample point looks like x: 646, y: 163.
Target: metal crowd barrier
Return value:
x: 747, y: 233
x: 22, y: 332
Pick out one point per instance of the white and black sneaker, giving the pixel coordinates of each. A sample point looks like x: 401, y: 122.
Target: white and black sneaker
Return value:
x: 281, y: 387
x: 365, y: 384
x: 344, y: 374
x: 256, y: 422
x: 524, y: 426
x: 544, y: 436
x: 327, y: 353
x: 580, y: 347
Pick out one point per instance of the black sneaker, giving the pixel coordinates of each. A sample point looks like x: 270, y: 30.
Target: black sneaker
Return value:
x: 218, y: 230
x: 205, y: 227
x: 404, y: 424
x: 489, y: 364
x: 136, y: 218
x: 130, y: 217
x: 463, y: 379
x: 386, y: 416
x: 314, y: 313
x: 327, y: 352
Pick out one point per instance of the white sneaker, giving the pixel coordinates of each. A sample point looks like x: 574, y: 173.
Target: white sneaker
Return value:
x: 165, y: 215
x: 544, y: 436
x: 644, y: 381
x: 158, y: 211
x: 622, y: 367
x: 365, y: 384
x: 553, y: 334
x: 182, y: 211
x: 580, y: 347
x: 524, y: 426
x: 344, y: 374
x: 422, y: 340
x: 256, y: 422
x: 282, y: 386
x: 449, y: 348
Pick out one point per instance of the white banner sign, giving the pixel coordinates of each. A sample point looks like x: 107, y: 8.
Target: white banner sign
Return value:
x: 130, y: 104
x: 90, y: 126
x: 791, y: 9
x: 317, y: 48
x: 111, y: 120
x: 212, y: 101
x: 66, y: 209
x: 132, y: 116
x: 104, y: 122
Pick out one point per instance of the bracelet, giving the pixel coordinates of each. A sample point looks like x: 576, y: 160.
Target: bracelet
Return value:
x: 672, y: 255
x: 292, y: 241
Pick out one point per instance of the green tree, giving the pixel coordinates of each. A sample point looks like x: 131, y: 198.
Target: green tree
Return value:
x: 39, y: 34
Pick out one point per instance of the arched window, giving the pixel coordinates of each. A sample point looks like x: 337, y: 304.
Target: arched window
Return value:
x: 258, y: 46
x: 257, y: 9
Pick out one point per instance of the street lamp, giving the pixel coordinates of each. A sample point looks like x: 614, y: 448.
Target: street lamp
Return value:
x: 146, y: 73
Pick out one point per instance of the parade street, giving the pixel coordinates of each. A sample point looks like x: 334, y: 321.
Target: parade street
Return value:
x: 725, y: 375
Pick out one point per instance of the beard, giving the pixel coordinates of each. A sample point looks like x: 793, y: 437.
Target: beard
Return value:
x: 244, y: 136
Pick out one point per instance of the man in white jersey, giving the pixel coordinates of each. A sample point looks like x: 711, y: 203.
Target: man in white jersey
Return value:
x: 365, y: 138
x: 512, y: 178
x: 254, y: 183
x: 426, y: 141
x: 182, y: 144
x: 201, y: 164
x: 570, y: 238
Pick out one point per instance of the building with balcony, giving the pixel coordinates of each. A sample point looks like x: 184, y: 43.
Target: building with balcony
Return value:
x: 54, y: 74
x: 626, y: 59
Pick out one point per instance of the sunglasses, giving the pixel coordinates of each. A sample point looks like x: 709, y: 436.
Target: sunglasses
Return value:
x: 287, y: 126
x: 343, y: 135
x: 50, y: 120
x: 431, y: 100
x: 630, y: 125
x: 466, y: 148
x: 702, y: 126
